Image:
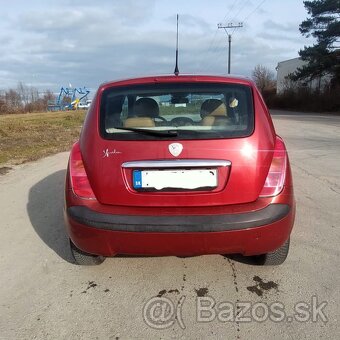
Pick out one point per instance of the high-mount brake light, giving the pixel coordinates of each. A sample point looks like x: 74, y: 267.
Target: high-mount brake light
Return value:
x: 79, y: 181
x: 277, y: 172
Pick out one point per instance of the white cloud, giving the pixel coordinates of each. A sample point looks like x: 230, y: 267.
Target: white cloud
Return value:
x: 87, y: 42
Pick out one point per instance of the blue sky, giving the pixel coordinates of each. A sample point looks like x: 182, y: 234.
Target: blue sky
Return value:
x: 49, y: 44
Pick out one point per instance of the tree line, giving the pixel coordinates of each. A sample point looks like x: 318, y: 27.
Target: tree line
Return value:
x: 24, y: 99
x: 321, y: 60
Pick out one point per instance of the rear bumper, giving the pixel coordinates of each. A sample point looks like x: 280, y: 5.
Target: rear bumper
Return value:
x: 179, y: 224
x: 248, y: 233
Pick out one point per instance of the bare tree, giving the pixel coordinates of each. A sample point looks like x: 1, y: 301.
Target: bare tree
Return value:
x: 24, y: 92
x: 48, y: 95
x: 24, y: 99
x: 29, y: 95
x: 263, y: 78
x: 3, y: 106
x: 34, y: 94
x: 13, y: 100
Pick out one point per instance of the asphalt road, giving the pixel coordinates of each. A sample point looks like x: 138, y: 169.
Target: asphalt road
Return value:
x: 44, y: 295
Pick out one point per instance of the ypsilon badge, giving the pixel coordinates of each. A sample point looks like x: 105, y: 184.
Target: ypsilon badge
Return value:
x: 175, y: 149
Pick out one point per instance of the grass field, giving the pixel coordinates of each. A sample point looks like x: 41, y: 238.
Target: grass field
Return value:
x: 27, y: 137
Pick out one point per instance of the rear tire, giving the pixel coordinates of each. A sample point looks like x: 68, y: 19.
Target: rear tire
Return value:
x: 85, y: 259
x: 276, y: 257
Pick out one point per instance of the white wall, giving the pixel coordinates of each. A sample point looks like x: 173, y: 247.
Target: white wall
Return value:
x: 284, y: 68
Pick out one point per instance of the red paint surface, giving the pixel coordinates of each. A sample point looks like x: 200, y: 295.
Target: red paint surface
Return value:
x: 238, y: 190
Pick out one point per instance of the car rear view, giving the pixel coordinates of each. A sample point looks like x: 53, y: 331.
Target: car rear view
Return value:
x: 179, y: 165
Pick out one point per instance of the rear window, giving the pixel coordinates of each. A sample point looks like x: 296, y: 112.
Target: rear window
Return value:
x: 177, y: 111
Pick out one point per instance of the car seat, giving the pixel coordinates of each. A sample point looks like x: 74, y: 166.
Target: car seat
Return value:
x: 214, y: 112
x: 144, y: 112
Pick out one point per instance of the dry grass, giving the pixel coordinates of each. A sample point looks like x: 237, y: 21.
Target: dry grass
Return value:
x: 27, y: 137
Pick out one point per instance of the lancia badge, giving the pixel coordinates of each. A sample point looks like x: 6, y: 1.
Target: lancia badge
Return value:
x: 175, y: 149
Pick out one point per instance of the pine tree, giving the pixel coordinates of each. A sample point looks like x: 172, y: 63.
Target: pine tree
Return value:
x: 324, y: 56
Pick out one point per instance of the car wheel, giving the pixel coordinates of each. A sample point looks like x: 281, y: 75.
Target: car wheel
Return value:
x: 276, y: 257
x: 83, y: 258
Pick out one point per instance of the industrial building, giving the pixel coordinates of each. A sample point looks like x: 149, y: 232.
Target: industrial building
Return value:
x: 287, y: 67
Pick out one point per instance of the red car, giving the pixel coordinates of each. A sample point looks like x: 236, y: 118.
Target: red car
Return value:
x: 179, y: 165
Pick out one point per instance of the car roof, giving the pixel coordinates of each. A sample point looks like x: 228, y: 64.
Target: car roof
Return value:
x: 186, y: 78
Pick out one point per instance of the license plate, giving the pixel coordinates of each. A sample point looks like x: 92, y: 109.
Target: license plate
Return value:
x: 175, y: 179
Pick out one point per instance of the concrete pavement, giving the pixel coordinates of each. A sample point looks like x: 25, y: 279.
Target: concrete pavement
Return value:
x: 45, y: 296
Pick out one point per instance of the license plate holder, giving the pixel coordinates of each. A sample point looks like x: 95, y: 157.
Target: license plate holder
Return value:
x: 175, y: 179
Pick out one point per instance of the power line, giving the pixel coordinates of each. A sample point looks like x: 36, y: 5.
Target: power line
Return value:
x: 240, y: 10
x: 228, y: 26
x: 230, y: 11
x: 214, y: 43
x: 224, y: 20
x: 256, y: 8
x: 215, y: 48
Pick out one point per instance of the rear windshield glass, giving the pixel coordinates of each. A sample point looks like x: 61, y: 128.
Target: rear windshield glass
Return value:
x: 177, y: 111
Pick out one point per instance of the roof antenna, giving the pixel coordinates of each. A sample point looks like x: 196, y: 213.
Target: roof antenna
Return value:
x: 176, y: 72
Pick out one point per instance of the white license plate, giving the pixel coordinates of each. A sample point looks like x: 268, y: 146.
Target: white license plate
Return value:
x: 175, y: 179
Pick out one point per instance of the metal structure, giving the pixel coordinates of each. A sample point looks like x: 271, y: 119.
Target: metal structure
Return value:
x: 68, y: 99
x: 229, y: 26
x: 176, y: 72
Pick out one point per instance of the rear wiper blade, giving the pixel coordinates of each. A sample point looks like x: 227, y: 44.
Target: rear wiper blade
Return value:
x: 162, y: 133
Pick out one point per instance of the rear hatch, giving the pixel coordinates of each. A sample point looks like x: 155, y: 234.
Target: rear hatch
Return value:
x: 176, y: 145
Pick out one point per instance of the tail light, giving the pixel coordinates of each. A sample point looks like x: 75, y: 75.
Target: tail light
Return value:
x: 79, y: 181
x: 277, y: 172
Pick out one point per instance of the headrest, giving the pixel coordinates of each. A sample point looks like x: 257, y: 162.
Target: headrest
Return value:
x: 214, y: 107
x: 146, y: 107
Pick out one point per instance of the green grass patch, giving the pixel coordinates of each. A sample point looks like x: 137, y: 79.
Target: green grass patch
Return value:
x: 27, y: 137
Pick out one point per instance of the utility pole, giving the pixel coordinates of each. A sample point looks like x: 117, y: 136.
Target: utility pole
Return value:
x: 226, y: 27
